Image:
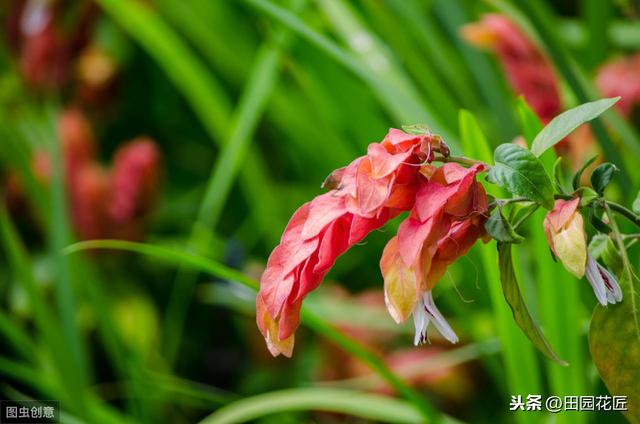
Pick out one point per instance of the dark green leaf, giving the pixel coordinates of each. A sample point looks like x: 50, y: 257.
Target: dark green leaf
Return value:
x: 500, y: 228
x: 602, y: 175
x: 563, y: 124
x: 615, y: 350
x: 518, y: 308
x: 578, y: 176
x: 417, y: 129
x: 521, y: 173
x: 529, y: 122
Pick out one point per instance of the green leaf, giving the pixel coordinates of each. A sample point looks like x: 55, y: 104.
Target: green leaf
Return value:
x: 529, y: 122
x: 370, y: 406
x: 521, y: 173
x: 168, y: 255
x: 563, y: 124
x: 635, y: 206
x: 500, y: 228
x: 578, y: 175
x: 417, y: 129
x: 520, y: 312
x: 597, y: 245
x: 615, y: 349
x: 602, y: 175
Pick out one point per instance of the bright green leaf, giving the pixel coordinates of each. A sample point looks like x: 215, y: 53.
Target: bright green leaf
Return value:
x: 563, y: 124
x: 518, y: 308
x: 521, y: 173
x: 602, y: 175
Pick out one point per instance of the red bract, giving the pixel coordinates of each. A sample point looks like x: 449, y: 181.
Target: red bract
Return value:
x: 621, y: 77
x: 446, y: 219
x: 528, y: 70
x: 103, y: 202
x: 136, y: 170
x: 531, y: 75
x: 364, y: 196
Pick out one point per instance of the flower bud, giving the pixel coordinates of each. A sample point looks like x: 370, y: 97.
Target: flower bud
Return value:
x: 564, y: 228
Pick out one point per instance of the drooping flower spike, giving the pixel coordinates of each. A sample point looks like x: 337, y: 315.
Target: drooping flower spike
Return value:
x: 363, y: 196
x: 564, y: 228
x: 527, y: 69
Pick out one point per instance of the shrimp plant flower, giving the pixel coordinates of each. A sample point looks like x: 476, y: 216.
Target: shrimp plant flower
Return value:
x: 447, y: 209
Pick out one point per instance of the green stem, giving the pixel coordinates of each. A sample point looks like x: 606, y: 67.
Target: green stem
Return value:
x: 635, y: 219
x: 461, y: 160
x: 626, y: 264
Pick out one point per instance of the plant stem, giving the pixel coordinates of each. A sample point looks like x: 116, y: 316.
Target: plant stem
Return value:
x: 635, y: 219
x: 627, y: 274
x: 461, y: 160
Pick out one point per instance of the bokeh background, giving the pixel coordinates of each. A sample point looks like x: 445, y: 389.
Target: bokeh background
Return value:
x: 196, y: 128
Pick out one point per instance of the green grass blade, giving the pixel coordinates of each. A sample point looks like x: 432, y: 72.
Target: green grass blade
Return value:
x: 167, y: 255
x: 205, y: 95
x: 192, y: 78
x: 402, y: 105
x: 309, y: 318
x: 46, y: 323
x: 521, y: 366
x: 250, y: 108
x: 59, y: 237
x: 350, y: 402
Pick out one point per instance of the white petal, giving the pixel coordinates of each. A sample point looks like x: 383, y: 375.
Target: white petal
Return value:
x: 614, y: 293
x: 420, y: 322
x: 438, y: 320
x: 595, y: 279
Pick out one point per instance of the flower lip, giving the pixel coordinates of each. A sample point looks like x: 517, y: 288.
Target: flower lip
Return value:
x: 426, y: 311
x: 604, y: 284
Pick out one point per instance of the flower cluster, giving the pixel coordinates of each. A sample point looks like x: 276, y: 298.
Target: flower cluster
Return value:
x: 446, y: 207
x: 531, y: 75
x: 621, y: 77
x: 528, y: 70
x: 103, y: 203
x: 38, y: 32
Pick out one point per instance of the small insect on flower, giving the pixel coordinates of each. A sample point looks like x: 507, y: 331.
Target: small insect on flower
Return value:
x: 447, y: 215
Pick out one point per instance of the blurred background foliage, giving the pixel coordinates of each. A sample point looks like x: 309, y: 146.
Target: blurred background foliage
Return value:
x: 208, y: 123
